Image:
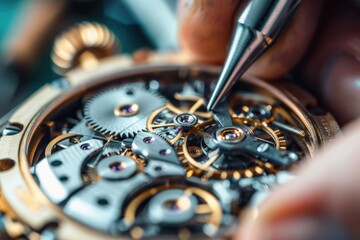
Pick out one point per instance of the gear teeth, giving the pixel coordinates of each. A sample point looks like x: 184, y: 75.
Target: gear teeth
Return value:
x: 165, y: 138
x: 98, y: 110
x: 108, y: 154
x: 281, y: 140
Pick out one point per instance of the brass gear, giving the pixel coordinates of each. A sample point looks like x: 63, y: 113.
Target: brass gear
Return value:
x: 169, y: 126
x: 208, y: 211
x: 276, y: 135
x: 206, y: 171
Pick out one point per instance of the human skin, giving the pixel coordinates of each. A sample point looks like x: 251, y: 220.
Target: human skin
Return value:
x: 321, y: 45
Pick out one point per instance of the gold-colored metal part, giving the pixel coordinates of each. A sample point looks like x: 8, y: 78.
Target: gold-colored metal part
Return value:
x: 246, y: 108
x: 5, y: 208
x: 276, y: 135
x: 195, y: 168
x: 188, y: 154
x: 52, y: 144
x: 263, y: 124
x: 192, y: 109
x: 137, y: 233
x: 120, y: 110
x: 83, y: 45
x: 140, y: 163
x: 211, y: 208
x: 231, y: 133
x: 195, y: 151
x: 205, y: 171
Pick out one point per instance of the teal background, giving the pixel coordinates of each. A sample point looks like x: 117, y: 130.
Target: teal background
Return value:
x: 127, y: 30
x: 8, y: 10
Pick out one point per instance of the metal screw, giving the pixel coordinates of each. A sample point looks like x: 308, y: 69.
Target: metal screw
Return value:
x: 165, y: 152
x: 86, y: 146
x: 149, y: 140
x: 11, y: 130
x: 185, y: 120
x: 158, y: 169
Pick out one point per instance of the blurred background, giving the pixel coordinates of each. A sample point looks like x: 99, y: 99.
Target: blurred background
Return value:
x: 28, y: 30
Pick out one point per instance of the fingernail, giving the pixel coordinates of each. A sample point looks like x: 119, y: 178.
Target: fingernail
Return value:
x: 340, y: 87
x: 304, y: 229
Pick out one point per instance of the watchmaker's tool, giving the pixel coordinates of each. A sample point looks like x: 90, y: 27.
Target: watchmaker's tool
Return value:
x: 258, y: 26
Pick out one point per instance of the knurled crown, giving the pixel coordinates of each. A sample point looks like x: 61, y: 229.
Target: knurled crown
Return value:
x: 83, y: 45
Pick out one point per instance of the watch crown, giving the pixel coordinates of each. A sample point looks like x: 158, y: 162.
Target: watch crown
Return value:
x: 83, y: 46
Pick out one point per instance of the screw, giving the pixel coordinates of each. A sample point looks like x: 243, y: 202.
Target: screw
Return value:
x: 149, y: 140
x: 86, y: 146
x: 165, y: 152
x: 11, y: 130
x: 158, y: 169
x: 56, y: 163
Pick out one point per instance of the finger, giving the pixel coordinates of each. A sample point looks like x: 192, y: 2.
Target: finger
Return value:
x: 288, y: 50
x: 206, y: 27
x: 332, y: 67
x: 322, y: 203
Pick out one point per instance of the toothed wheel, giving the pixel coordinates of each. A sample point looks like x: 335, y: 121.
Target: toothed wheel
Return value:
x: 123, y: 111
x: 171, y: 121
x: 202, y: 156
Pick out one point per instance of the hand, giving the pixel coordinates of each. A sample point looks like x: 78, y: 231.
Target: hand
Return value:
x: 323, y: 202
x: 322, y: 43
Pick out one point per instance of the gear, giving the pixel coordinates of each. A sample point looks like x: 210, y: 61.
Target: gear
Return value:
x: 245, y: 107
x: 91, y: 173
x: 122, y: 111
x: 171, y: 121
x: 201, y: 155
x: 171, y: 206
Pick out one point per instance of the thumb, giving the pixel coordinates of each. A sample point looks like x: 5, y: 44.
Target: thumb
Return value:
x: 323, y: 201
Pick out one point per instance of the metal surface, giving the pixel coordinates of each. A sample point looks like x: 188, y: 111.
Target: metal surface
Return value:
x: 257, y: 28
x: 116, y: 167
x: 109, y: 206
x: 153, y: 147
x: 101, y: 111
x: 102, y: 202
x: 59, y: 174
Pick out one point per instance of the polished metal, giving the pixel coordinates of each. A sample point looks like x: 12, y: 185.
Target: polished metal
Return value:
x: 257, y: 28
x: 58, y: 174
x: 172, y: 207
x: 153, y: 149
x: 116, y: 167
x: 104, y: 112
x: 97, y: 186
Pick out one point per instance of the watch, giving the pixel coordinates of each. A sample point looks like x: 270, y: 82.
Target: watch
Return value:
x: 118, y: 150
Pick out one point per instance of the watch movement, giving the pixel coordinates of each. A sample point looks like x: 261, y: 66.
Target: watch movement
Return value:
x: 130, y: 153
